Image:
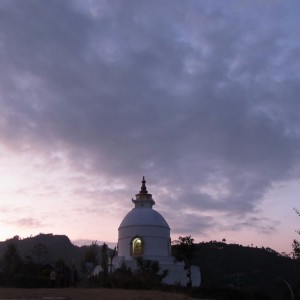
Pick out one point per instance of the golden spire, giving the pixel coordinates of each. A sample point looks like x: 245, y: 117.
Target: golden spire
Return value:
x: 143, y: 198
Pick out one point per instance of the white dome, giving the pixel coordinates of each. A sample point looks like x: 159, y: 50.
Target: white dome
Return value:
x: 144, y: 217
x: 144, y: 231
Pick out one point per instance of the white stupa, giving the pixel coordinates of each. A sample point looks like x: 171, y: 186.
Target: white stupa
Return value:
x: 145, y: 233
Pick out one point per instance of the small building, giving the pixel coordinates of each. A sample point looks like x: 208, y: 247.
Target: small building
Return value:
x: 145, y: 233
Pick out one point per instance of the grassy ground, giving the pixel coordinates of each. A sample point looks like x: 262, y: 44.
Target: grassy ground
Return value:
x: 87, y: 294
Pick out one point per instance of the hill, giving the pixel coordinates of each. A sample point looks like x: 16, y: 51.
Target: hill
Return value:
x: 48, y: 248
x: 230, y: 265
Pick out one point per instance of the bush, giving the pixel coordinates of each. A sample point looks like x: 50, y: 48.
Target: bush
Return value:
x: 146, y: 277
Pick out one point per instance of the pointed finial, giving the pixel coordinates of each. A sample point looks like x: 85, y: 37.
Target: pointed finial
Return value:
x: 143, y: 199
x: 143, y: 188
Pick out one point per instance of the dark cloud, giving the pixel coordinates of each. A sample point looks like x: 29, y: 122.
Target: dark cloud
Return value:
x: 191, y: 94
x: 195, y: 223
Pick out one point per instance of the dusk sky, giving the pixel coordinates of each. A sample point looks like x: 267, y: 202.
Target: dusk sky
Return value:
x: 200, y: 97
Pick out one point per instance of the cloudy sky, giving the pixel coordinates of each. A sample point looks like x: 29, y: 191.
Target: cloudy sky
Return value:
x: 201, y: 97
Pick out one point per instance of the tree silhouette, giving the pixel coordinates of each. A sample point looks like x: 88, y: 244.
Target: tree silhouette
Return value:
x: 104, y: 263
x: 11, y: 260
x: 90, y: 260
x: 184, y: 250
x: 296, y: 244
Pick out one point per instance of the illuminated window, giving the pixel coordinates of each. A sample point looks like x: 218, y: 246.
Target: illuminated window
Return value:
x: 137, y: 246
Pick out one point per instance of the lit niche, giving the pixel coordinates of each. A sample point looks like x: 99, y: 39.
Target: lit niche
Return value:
x: 137, y: 246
